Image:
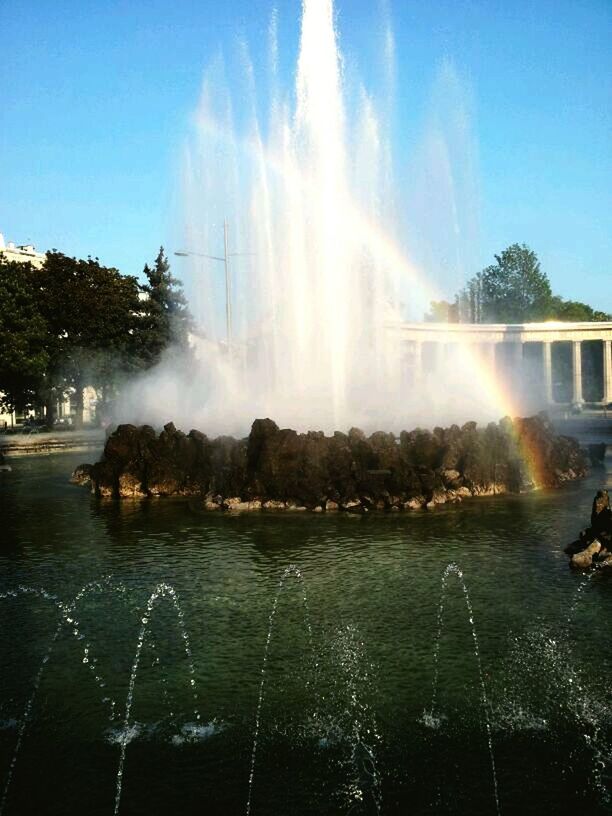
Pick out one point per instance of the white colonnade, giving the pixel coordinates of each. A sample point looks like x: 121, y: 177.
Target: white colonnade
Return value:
x: 508, y: 341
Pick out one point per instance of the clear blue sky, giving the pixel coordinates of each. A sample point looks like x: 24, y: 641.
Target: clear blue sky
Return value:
x: 96, y: 100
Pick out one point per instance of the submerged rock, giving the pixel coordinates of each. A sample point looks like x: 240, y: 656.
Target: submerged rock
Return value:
x: 584, y: 559
x: 280, y: 469
x: 81, y: 475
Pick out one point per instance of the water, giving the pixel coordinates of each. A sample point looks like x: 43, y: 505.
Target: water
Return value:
x: 314, y: 644
x: 296, y: 184
x: 430, y: 718
x: 291, y: 570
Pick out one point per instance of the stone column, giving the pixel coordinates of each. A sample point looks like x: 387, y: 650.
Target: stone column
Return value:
x: 517, y: 362
x: 547, y: 360
x: 418, y: 361
x: 439, y: 356
x: 488, y: 352
x: 577, y: 373
x: 607, y: 371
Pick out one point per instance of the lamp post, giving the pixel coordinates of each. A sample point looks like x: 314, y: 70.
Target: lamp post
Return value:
x: 228, y: 286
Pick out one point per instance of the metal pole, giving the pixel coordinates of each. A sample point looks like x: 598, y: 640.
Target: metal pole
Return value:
x: 228, y: 291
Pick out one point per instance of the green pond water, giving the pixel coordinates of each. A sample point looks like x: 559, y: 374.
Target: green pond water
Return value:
x: 364, y: 694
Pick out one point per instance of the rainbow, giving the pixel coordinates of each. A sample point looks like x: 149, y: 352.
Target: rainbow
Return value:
x: 496, y: 393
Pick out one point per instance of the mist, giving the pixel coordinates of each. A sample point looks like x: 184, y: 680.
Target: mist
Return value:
x: 319, y: 278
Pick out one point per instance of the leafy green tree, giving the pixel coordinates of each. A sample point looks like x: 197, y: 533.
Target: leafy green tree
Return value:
x: 574, y: 310
x: 23, y: 334
x: 165, y: 318
x: 92, y: 314
x: 514, y: 289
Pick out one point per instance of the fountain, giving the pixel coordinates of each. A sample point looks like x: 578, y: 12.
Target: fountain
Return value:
x: 310, y: 340
x: 318, y: 276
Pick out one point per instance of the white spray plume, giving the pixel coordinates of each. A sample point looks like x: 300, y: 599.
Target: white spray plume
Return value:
x: 316, y: 271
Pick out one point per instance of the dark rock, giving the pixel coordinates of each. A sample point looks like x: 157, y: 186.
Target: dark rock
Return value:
x: 281, y: 469
x: 601, y: 518
x: 594, y: 544
x: 600, y: 511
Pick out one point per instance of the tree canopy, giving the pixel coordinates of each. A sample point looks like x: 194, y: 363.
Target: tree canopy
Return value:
x: 75, y: 322
x: 91, y: 312
x: 23, y: 334
x: 512, y: 290
x: 165, y: 319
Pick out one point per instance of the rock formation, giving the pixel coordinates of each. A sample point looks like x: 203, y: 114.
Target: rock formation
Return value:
x: 277, y: 468
x: 593, y: 547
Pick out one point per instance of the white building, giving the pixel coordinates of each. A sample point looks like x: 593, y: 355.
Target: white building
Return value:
x: 21, y: 253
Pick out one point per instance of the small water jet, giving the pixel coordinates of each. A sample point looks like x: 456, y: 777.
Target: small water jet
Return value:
x: 291, y: 570
x: 584, y: 710
x: 162, y: 590
x: 429, y: 718
x: 542, y: 666
x: 66, y: 612
x: 344, y: 722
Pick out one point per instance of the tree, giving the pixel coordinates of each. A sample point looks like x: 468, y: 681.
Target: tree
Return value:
x: 514, y: 289
x: 23, y: 332
x: 92, y: 317
x: 165, y: 317
x: 574, y: 310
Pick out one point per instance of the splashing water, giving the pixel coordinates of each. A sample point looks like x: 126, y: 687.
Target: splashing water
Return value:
x: 585, y: 714
x: 162, y: 590
x: 541, y: 672
x: 541, y: 657
x: 191, y: 731
x: 291, y: 570
x: 429, y: 718
x: 356, y: 721
x: 578, y: 596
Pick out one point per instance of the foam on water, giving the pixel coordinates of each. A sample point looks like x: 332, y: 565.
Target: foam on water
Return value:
x: 196, y: 732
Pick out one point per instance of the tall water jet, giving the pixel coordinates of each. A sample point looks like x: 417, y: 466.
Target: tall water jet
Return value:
x: 316, y: 275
